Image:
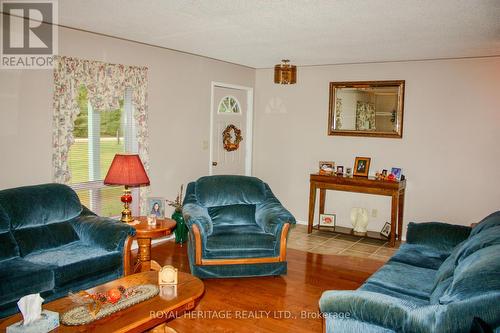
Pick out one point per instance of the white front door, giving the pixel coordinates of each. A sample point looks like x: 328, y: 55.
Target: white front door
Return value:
x: 229, y: 115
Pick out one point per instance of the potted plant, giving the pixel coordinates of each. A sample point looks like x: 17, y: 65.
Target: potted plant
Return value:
x: 181, y: 230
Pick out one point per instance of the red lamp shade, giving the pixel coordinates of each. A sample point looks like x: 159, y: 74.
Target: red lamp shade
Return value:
x: 126, y: 169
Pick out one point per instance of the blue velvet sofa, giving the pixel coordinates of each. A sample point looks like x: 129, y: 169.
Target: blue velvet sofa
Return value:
x: 51, y: 244
x: 237, y: 228
x: 446, y: 278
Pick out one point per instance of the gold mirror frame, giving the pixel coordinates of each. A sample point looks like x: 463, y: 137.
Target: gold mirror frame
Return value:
x: 400, y: 84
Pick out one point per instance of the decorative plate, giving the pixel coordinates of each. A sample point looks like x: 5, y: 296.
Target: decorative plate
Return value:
x: 81, y: 315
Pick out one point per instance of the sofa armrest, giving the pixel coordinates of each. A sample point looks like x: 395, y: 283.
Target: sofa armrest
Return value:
x: 441, y: 236
x: 270, y: 214
x: 104, y: 232
x: 379, y: 309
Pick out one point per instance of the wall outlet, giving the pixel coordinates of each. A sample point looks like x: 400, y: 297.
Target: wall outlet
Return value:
x: 374, y: 212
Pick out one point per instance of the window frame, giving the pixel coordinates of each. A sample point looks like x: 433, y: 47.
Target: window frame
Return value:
x: 238, y: 104
x: 131, y: 145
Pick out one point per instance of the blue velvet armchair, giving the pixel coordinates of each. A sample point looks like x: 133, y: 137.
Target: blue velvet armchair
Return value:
x: 446, y: 278
x: 51, y: 244
x: 237, y: 228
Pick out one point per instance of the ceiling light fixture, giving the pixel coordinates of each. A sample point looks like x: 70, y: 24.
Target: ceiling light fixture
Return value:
x: 285, y: 73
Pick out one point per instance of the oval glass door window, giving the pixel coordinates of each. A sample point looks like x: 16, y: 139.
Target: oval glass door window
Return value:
x: 229, y: 104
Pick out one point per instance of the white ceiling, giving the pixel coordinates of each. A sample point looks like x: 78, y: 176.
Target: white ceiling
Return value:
x: 259, y: 33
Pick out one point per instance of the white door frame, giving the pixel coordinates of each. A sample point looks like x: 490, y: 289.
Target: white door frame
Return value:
x: 249, y: 128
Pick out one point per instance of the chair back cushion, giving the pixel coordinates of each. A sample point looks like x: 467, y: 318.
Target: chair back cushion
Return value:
x: 213, y: 191
x: 8, y: 246
x: 236, y: 215
x: 39, y: 215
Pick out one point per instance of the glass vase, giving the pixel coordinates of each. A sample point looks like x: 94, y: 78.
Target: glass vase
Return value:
x: 181, y: 230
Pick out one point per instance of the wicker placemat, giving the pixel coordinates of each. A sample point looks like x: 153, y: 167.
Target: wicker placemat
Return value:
x: 80, y: 315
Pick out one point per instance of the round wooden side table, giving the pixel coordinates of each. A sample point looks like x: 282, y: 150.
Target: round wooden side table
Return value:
x: 144, y: 234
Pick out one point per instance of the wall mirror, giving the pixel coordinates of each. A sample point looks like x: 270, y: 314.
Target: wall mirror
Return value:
x: 367, y: 108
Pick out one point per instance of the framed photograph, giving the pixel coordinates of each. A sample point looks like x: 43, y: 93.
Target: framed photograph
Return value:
x: 386, y: 230
x: 326, y: 168
x: 362, y: 166
x: 327, y: 220
x: 384, y: 173
x: 396, y: 172
x: 340, y: 170
x: 156, y: 206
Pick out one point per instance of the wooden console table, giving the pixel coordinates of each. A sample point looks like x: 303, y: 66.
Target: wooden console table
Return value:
x: 394, y: 189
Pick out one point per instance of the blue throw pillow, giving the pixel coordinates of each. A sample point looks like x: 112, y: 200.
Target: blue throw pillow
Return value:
x: 490, y: 221
x: 476, y: 275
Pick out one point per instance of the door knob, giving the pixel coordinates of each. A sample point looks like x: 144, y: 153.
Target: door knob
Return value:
x: 214, y: 163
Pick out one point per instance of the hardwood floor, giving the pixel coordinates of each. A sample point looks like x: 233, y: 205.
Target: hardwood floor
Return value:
x: 268, y: 304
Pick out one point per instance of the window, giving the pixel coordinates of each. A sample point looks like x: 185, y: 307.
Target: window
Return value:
x: 98, y: 136
x: 229, y: 104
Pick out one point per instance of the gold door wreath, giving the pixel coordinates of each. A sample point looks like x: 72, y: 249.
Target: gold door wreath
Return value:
x: 230, y: 145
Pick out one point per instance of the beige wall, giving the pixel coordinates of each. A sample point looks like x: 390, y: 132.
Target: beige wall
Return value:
x: 179, y: 110
x: 450, y: 151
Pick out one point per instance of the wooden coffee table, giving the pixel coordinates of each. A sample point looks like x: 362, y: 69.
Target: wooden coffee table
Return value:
x: 144, y: 234
x: 170, y: 303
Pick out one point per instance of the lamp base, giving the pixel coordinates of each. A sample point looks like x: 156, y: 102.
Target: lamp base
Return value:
x: 126, y: 216
x: 126, y: 212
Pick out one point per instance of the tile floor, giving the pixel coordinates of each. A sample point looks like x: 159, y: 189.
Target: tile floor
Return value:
x: 326, y: 242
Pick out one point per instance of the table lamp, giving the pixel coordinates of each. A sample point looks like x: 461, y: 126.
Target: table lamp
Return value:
x: 127, y: 170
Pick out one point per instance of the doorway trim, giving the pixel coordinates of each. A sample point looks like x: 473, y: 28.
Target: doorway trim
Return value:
x: 249, y: 128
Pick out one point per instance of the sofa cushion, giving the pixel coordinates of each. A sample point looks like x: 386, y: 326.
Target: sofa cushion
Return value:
x: 477, y: 242
x: 492, y: 220
x: 76, y: 261
x: 420, y: 256
x: 368, y: 286
x: 226, y: 190
x: 405, y: 279
x: 476, y: 275
x: 8, y: 246
x: 235, y: 215
x: 468, y: 247
x: 19, y: 277
x: 242, y: 242
x: 44, y: 237
x: 38, y: 205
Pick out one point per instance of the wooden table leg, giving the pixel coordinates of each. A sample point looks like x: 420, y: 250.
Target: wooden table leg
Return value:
x: 322, y: 197
x: 144, y: 255
x: 394, y: 218
x: 401, y: 207
x: 312, y: 203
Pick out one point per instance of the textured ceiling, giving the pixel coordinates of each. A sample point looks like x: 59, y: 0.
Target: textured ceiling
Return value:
x: 259, y: 33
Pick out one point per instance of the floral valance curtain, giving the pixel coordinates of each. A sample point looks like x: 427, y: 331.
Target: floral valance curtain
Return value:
x: 365, y: 116
x: 106, y: 85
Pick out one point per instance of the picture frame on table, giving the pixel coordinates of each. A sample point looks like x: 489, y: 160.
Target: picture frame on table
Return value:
x: 327, y: 221
x: 386, y: 230
x: 156, y: 206
x: 362, y: 166
x: 396, y: 172
x: 326, y: 168
x: 340, y: 170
